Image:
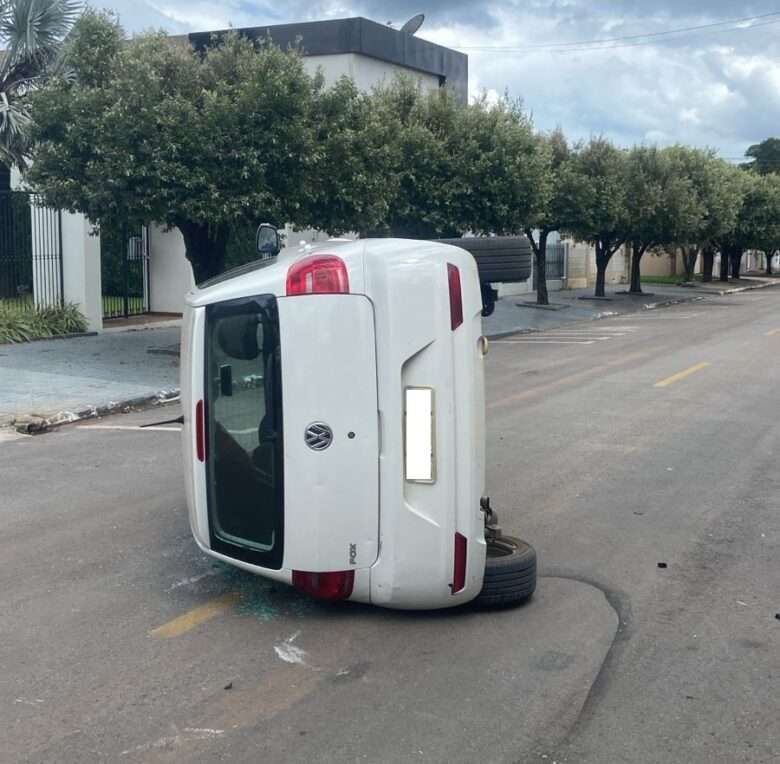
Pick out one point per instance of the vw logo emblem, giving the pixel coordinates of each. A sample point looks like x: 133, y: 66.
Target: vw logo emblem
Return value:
x: 318, y: 436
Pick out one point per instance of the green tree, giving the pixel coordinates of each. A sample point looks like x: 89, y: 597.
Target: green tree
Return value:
x: 663, y: 207
x: 766, y: 218
x: 601, y: 217
x: 458, y: 168
x: 556, y: 211
x: 765, y: 156
x: 31, y: 35
x: 758, y: 220
x: 717, y: 187
x: 350, y: 184
x: 424, y: 171
x: 208, y: 142
x: 502, y: 178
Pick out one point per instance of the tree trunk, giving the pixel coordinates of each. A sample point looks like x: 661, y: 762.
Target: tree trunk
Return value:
x: 724, y: 263
x: 689, y: 261
x: 540, y: 263
x: 709, y: 262
x: 736, y: 263
x: 636, y: 275
x: 602, y: 261
x: 205, y: 248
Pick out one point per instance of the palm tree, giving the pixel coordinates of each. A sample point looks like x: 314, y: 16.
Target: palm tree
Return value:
x: 31, y: 33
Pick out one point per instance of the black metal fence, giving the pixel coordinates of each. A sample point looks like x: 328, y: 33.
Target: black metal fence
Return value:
x: 30, y: 252
x: 124, y: 271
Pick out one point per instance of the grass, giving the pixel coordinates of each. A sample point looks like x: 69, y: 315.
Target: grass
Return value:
x: 114, y: 306
x: 23, y: 302
x: 26, y: 322
x: 676, y: 280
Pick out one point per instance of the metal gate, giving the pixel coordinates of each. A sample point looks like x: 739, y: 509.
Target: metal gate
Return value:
x: 30, y: 252
x: 555, y: 263
x: 124, y: 271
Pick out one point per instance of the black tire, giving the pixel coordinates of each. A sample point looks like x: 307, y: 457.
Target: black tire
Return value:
x: 500, y: 259
x: 510, y: 574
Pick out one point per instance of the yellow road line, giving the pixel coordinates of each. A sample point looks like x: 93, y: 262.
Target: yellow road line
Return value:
x: 682, y: 375
x: 773, y: 332
x: 195, y: 617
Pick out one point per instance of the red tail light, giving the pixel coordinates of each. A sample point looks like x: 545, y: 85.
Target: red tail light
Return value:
x: 456, y: 300
x: 459, y: 572
x: 335, y: 585
x: 200, y: 432
x: 318, y: 274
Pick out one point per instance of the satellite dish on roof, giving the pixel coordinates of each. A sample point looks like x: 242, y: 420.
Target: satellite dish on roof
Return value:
x: 414, y: 23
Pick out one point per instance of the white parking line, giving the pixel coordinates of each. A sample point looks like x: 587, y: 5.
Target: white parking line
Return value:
x: 667, y: 316
x: 597, y: 328
x: 126, y: 427
x: 592, y: 332
x: 578, y: 336
x: 543, y: 342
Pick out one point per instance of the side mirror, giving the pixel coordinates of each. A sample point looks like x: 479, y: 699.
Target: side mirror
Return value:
x: 269, y: 243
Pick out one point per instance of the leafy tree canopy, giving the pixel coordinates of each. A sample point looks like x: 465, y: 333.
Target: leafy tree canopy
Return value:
x: 152, y: 130
x: 765, y: 156
x: 601, y: 216
x: 663, y: 205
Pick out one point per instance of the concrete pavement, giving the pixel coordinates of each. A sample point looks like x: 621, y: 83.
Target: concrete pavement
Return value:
x: 628, y: 474
x: 126, y: 644
x: 612, y: 447
x: 55, y: 378
x: 513, y: 314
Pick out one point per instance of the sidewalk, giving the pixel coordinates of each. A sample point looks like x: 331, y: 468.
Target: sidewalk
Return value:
x: 514, y: 314
x: 52, y: 381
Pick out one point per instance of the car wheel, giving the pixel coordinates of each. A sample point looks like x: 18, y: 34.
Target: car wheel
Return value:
x: 510, y: 573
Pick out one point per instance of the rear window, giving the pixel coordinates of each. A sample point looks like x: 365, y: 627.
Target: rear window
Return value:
x: 244, y: 420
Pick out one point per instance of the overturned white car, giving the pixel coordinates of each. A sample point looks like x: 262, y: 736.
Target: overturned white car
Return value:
x: 334, y: 426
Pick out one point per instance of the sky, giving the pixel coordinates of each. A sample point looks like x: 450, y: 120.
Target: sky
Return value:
x: 715, y: 87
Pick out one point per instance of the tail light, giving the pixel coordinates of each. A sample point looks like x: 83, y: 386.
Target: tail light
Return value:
x: 318, y: 274
x: 331, y: 586
x: 459, y: 572
x: 456, y: 299
x: 200, y: 432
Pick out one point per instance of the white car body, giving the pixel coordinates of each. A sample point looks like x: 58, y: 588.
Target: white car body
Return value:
x: 354, y: 362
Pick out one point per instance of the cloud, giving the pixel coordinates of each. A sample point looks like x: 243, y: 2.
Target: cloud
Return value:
x: 715, y: 87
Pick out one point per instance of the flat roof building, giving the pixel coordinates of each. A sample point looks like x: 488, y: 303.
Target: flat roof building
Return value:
x: 364, y: 50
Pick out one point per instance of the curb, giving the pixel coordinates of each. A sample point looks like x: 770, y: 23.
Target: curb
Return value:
x: 71, y: 336
x: 34, y: 425
x: 170, y: 323
x: 599, y: 316
x: 670, y: 302
x: 648, y: 306
x: 736, y: 290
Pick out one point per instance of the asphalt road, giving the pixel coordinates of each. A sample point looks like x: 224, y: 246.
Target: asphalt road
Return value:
x: 613, y: 446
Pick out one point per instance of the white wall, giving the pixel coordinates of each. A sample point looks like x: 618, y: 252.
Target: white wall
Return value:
x: 514, y: 289
x: 364, y: 71
x: 170, y: 275
x: 81, y: 268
